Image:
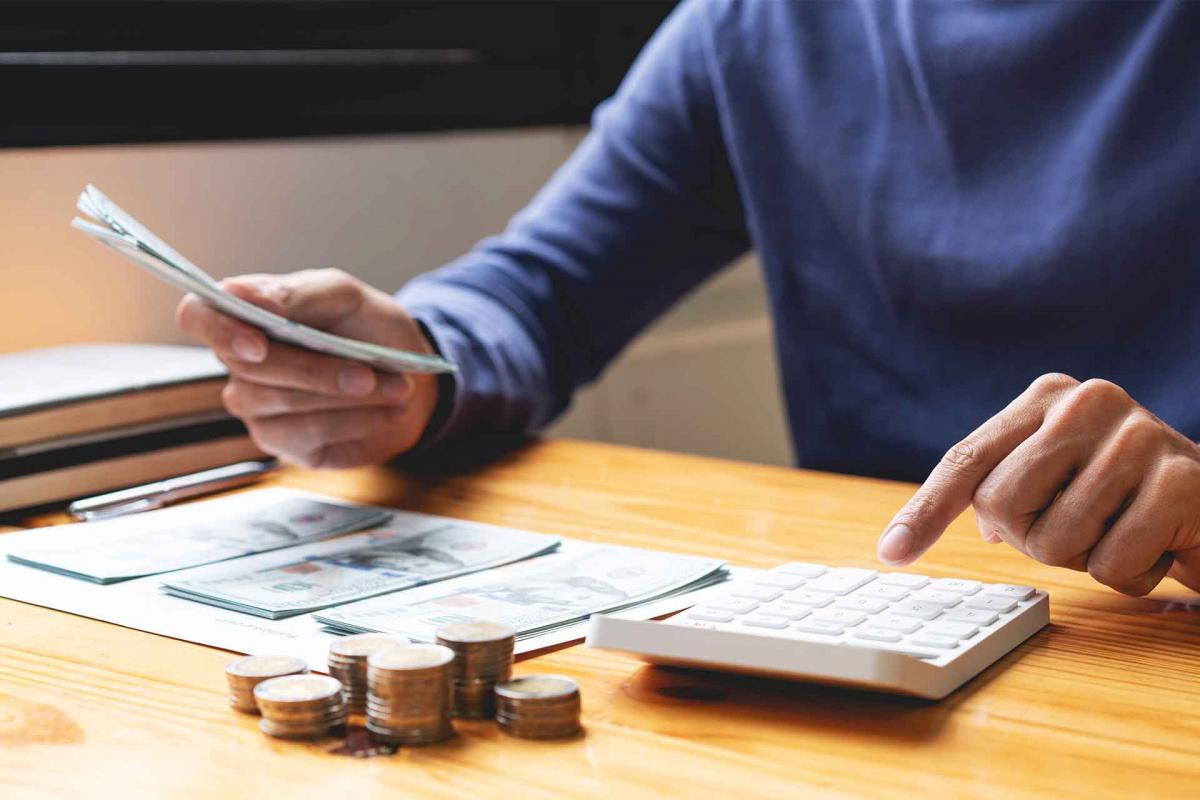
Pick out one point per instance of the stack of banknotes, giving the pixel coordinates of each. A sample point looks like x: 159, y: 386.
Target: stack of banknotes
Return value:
x: 272, y: 553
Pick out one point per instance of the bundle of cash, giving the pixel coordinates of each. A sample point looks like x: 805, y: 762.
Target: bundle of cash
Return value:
x: 413, y: 549
x: 116, y: 228
x: 534, y: 598
x: 170, y: 539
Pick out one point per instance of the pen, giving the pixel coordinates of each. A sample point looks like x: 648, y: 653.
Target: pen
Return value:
x: 160, y: 493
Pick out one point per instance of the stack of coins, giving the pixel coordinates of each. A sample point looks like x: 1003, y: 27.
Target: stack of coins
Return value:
x: 246, y: 673
x: 408, y: 694
x: 301, y: 706
x: 348, y: 663
x: 483, y: 656
x: 538, y: 707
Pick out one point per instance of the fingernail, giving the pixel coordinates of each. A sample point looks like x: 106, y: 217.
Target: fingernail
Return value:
x: 248, y: 348
x: 356, y: 380
x: 896, y: 543
x: 398, y: 387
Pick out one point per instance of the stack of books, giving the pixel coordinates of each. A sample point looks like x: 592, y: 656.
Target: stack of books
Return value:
x: 84, y: 419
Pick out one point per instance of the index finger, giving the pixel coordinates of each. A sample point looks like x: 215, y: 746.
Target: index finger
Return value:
x: 951, y: 485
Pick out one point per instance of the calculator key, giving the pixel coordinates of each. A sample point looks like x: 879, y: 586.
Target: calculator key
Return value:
x: 883, y: 591
x: 937, y: 598
x: 710, y: 614
x: 907, y: 580
x: 738, y: 605
x: 819, y: 626
x: 956, y: 585
x: 842, y: 616
x: 894, y: 622
x: 912, y: 608
x: 1001, y: 605
x: 782, y: 608
x: 780, y: 580
x: 868, y: 604
x: 924, y: 639
x: 763, y: 594
x: 1010, y: 591
x: 765, y: 621
x: 842, y: 581
x: 959, y: 630
x: 978, y: 616
x: 810, y: 598
x: 876, y: 635
x: 802, y: 569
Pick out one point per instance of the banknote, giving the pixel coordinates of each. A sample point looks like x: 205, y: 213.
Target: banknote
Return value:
x: 413, y: 549
x: 548, y: 592
x: 197, y: 533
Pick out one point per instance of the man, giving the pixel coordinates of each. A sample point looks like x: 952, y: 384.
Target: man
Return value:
x: 954, y: 205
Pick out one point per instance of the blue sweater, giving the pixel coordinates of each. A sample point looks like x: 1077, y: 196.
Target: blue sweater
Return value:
x: 948, y: 200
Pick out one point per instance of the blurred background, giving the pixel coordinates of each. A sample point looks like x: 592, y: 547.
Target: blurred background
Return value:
x: 384, y: 138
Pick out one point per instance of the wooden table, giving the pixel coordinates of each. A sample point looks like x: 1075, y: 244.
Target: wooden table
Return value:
x: 1105, y: 702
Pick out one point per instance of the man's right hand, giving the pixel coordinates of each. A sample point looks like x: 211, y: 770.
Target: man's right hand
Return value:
x: 314, y: 409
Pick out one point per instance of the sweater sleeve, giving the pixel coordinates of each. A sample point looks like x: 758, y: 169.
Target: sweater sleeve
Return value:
x: 642, y: 212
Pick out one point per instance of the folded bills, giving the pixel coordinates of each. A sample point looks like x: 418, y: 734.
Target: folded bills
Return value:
x: 184, y: 536
x: 535, y: 596
x: 411, y: 550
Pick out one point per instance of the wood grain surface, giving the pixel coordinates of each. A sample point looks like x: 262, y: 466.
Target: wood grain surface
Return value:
x: 1103, y: 703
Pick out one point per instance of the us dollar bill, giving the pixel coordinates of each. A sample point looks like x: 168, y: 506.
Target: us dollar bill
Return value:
x: 412, y: 550
x: 175, y: 538
x: 555, y: 590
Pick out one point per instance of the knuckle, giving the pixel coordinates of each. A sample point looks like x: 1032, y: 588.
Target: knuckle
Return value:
x: 1053, y: 382
x: 989, y: 499
x: 1102, y: 393
x: 1138, y: 432
x: 232, y: 398
x: 1044, y: 547
x: 963, y: 456
x: 1112, y: 574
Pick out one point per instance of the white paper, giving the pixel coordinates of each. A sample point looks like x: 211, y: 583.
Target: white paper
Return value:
x: 140, y: 604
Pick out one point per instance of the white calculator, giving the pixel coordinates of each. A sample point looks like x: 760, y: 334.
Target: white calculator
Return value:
x: 891, y: 632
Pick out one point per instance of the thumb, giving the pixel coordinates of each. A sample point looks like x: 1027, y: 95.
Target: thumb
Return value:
x: 320, y: 298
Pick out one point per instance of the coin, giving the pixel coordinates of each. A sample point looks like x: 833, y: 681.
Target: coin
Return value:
x: 483, y: 655
x: 408, y: 694
x: 538, y: 706
x: 348, y: 663
x: 301, y: 706
x: 243, y: 674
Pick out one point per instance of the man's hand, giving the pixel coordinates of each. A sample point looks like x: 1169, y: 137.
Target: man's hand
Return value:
x: 1074, y: 475
x: 314, y: 409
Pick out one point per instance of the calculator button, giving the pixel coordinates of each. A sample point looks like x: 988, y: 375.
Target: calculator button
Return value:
x: 893, y: 622
x: 867, y: 604
x: 924, y: 639
x: 780, y: 580
x: 802, y: 569
x: 956, y: 585
x: 738, y: 605
x: 765, y: 621
x: 876, y: 635
x: 710, y: 614
x: 883, y: 591
x: 937, y: 598
x: 764, y: 594
x: 911, y: 608
x: 978, y: 616
x: 1010, y: 591
x: 842, y: 581
x: 959, y: 630
x: 782, y: 608
x: 1000, y: 605
x: 819, y: 626
x: 810, y: 598
x: 842, y: 616
x: 908, y: 581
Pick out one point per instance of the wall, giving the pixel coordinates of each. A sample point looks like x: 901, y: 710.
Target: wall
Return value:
x: 384, y: 208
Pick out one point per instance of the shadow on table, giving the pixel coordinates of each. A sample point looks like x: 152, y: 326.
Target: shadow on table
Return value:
x: 724, y: 699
